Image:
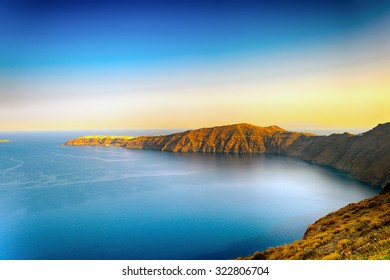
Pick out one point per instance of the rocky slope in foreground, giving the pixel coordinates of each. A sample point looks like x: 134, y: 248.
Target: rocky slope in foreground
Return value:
x: 366, y: 157
x: 357, y: 231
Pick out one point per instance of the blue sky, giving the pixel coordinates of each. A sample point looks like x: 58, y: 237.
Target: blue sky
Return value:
x: 139, y: 33
x: 98, y: 48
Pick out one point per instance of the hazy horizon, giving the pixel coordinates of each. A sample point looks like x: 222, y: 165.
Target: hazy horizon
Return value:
x: 102, y: 65
x: 163, y: 131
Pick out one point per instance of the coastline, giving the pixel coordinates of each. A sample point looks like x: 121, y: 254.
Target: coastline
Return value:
x: 357, y: 231
x: 364, y: 157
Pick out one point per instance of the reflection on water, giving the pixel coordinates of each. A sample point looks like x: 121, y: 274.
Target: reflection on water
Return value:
x: 61, y: 202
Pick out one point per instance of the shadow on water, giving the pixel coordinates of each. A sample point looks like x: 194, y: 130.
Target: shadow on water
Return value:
x: 61, y: 202
x: 261, y: 241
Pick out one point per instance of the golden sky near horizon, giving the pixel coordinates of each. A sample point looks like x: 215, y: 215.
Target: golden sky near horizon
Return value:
x: 339, y: 83
x: 310, y: 93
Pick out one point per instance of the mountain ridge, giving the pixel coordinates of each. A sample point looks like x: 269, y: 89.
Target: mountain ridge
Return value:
x: 365, y: 157
x: 356, y: 231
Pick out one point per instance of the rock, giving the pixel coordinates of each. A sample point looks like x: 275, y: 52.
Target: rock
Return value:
x: 357, y: 231
x: 256, y: 256
x: 307, y: 254
x: 365, y: 157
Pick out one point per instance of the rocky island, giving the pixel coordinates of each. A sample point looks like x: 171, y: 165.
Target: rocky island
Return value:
x: 357, y: 231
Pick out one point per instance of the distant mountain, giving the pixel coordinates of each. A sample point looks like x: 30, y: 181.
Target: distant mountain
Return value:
x: 238, y: 138
x: 365, y: 157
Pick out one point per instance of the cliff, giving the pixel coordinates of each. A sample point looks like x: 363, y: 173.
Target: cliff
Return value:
x: 357, y: 231
x: 366, y: 157
x: 239, y: 138
x: 117, y: 141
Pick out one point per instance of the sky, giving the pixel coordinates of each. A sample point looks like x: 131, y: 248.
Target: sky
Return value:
x: 115, y: 64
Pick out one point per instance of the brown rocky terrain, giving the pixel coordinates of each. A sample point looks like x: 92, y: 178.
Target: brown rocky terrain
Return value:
x: 365, y: 157
x: 239, y: 138
x: 117, y: 141
x: 356, y: 231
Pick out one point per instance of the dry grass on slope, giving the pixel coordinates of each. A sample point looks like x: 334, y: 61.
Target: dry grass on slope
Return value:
x: 357, y: 231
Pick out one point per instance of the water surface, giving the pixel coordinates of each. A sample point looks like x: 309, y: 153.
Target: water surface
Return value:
x: 59, y: 202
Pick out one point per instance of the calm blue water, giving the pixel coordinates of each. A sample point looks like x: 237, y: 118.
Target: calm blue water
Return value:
x: 60, y: 202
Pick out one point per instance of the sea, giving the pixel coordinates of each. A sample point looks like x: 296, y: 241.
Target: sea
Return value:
x: 107, y: 203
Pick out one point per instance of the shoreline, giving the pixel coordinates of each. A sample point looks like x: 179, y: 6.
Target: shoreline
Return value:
x: 357, y: 231
x: 364, y: 157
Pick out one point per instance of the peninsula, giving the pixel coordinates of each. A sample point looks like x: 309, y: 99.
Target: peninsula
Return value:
x: 365, y: 157
x: 357, y: 231
x: 4, y: 141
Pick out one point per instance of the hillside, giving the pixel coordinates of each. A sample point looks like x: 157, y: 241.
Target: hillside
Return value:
x: 365, y: 157
x: 357, y: 231
x: 238, y: 138
x: 100, y: 141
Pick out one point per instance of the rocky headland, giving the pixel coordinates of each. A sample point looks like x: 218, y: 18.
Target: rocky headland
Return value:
x: 365, y: 156
x: 357, y: 231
